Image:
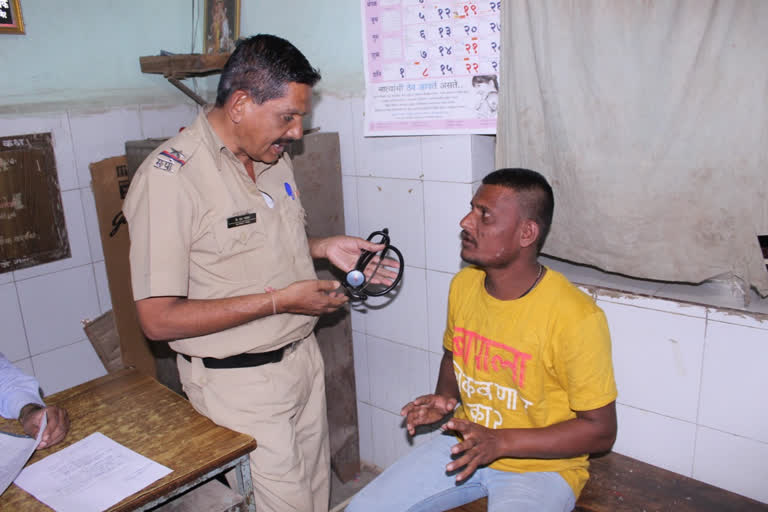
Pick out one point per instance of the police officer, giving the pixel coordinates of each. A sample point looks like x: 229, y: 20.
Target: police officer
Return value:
x: 221, y: 265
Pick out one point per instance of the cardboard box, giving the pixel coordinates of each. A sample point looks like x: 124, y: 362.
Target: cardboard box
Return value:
x: 110, y: 181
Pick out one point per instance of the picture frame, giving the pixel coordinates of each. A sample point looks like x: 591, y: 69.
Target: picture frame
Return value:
x: 222, y: 26
x: 11, y: 21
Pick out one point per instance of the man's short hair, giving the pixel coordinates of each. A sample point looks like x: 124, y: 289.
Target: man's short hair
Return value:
x: 263, y: 65
x: 537, y: 201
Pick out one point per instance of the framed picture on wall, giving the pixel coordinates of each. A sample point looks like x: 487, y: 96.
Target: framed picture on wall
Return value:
x: 11, y: 21
x: 222, y: 25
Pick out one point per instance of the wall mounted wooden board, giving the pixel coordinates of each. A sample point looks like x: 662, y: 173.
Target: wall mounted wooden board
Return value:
x: 32, y: 226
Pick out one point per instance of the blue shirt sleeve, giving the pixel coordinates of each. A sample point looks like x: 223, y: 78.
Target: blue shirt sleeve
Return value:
x: 16, y: 390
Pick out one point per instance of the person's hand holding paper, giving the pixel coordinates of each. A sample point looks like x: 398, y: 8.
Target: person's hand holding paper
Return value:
x: 56, y: 429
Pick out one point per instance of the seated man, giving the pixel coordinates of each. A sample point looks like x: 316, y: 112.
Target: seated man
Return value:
x: 528, y: 362
x: 20, y: 398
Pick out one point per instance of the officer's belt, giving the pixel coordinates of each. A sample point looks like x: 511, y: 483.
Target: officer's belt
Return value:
x: 245, y: 360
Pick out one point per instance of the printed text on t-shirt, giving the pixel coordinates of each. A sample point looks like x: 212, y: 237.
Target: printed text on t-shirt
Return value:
x: 467, y: 344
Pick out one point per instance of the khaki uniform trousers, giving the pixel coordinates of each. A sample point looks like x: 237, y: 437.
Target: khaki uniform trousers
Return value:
x: 281, y: 405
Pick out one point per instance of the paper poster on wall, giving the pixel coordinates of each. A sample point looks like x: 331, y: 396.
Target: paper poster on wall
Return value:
x: 431, y: 66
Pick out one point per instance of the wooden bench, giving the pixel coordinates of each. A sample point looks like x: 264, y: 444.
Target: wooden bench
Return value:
x: 618, y: 483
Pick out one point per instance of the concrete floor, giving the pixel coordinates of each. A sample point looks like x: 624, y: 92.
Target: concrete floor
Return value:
x: 342, y: 492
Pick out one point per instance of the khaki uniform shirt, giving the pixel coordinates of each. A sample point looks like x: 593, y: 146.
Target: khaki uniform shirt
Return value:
x: 202, y: 229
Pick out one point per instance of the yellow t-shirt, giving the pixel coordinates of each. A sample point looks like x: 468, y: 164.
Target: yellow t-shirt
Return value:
x: 529, y: 362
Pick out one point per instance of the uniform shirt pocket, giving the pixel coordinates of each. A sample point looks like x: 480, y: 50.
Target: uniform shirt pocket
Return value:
x: 241, y: 248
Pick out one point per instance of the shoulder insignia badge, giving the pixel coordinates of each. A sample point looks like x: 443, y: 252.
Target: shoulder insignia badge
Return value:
x: 169, y: 158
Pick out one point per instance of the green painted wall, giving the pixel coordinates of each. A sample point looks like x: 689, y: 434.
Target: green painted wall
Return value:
x: 328, y: 32
x: 87, y: 51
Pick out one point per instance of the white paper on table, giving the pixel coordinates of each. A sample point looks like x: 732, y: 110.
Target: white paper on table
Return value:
x: 16, y: 452
x: 90, y: 475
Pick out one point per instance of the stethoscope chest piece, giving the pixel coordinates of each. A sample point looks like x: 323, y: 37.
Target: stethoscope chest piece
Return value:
x: 355, y: 282
x: 355, y: 278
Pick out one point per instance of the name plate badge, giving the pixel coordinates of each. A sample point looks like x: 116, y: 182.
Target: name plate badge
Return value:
x: 241, y: 220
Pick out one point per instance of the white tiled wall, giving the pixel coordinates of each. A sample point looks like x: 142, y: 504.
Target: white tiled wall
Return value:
x: 690, y: 379
x: 691, y: 385
x: 42, y: 307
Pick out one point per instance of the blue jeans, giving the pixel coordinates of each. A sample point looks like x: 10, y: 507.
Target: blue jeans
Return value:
x: 418, y: 483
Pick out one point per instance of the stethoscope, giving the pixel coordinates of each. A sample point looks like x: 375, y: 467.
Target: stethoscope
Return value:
x: 355, y: 281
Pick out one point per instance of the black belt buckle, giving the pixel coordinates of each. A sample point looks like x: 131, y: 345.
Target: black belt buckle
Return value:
x: 243, y: 360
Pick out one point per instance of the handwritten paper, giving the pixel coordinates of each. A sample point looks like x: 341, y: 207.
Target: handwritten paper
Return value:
x: 90, y: 475
x: 431, y: 66
x: 16, y: 452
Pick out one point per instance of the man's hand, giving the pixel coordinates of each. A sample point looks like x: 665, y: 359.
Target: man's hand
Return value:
x: 55, y: 430
x: 426, y: 410
x: 315, y: 297
x: 480, y: 446
x: 344, y: 251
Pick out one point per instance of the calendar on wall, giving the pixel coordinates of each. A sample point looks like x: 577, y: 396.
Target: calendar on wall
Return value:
x: 431, y: 66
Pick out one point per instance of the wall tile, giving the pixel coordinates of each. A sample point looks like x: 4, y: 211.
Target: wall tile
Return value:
x: 398, y: 374
x: 657, y: 359
x: 390, y: 439
x: 438, y: 285
x: 401, y: 316
x: 483, y: 156
x: 58, y: 125
x: 733, y: 380
x: 79, y: 359
x: 434, y: 370
x: 102, y: 286
x: 92, y: 224
x: 362, y: 374
x: 77, y: 235
x: 673, y: 440
x: 101, y: 134
x: 384, y: 157
x: 447, y: 158
x: 25, y: 365
x: 399, y: 206
x: 332, y: 114
x: 628, y: 299
x: 734, y: 463
x: 745, y: 319
x: 351, y: 220
x: 715, y: 293
x: 53, y: 307
x: 445, y: 204
x: 13, y: 342
x: 165, y: 122
x: 365, y: 430
x: 357, y: 313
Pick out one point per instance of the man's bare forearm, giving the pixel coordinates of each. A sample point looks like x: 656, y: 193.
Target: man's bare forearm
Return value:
x: 590, y: 432
x: 446, y: 379
x: 169, y: 318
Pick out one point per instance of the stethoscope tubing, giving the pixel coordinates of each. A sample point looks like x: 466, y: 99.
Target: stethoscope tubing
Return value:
x: 361, y: 292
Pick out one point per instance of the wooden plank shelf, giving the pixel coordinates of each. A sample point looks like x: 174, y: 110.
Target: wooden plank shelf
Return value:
x: 178, y: 67
x: 183, y: 66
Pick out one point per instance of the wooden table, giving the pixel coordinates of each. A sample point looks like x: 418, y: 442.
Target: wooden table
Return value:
x: 145, y: 416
